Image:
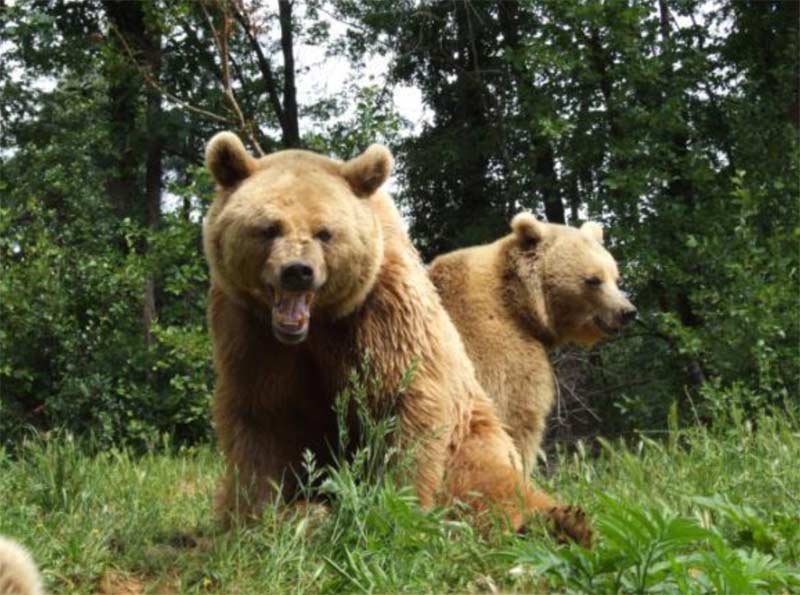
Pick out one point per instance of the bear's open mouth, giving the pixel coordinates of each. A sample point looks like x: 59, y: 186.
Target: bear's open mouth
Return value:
x: 291, y: 312
x: 600, y: 323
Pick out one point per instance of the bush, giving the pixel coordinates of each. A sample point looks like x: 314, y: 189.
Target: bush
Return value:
x: 73, y: 352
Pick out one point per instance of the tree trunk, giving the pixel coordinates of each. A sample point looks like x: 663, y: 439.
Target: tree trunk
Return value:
x: 545, y: 179
x: 680, y: 190
x: 470, y: 116
x: 287, y: 111
x: 153, y: 168
x: 291, y: 133
x: 124, y: 90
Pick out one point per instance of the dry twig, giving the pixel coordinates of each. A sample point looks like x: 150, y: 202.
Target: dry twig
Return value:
x: 221, y: 42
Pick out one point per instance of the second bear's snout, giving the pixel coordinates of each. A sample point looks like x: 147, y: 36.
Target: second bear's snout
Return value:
x: 628, y: 315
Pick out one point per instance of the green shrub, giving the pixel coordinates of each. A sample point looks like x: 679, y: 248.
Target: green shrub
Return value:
x: 73, y: 353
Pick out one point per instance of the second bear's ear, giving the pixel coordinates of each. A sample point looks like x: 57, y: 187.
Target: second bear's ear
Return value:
x: 367, y: 172
x: 529, y: 230
x: 228, y: 160
x: 593, y: 230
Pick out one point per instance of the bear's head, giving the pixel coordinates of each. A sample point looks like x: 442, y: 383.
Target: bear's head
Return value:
x: 294, y: 232
x: 571, y: 281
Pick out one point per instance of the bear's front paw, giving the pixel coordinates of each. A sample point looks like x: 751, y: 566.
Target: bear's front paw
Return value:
x: 569, y: 523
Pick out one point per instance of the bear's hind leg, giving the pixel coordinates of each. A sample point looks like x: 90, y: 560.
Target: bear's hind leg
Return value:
x: 485, y: 473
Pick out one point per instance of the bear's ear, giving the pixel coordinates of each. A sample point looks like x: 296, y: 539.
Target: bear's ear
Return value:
x: 228, y: 160
x: 367, y: 172
x: 529, y: 230
x: 593, y: 230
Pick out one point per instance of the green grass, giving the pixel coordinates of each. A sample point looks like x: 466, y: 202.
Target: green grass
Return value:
x: 701, y: 511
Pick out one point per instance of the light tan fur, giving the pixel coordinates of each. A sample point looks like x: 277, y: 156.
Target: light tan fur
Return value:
x: 514, y: 299
x: 18, y: 572
x: 274, y: 400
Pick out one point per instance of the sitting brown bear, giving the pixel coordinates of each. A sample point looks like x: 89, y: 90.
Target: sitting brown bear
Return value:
x: 540, y: 286
x: 311, y: 269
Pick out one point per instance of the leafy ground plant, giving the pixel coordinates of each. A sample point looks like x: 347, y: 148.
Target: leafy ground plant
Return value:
x: 656, y: 551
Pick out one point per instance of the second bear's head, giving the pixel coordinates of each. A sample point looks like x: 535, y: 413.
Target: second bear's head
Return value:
x: 571, y: 282
x: 294, y: 232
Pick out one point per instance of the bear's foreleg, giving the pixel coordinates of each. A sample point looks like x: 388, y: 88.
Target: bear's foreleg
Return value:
x: 421, y: 430
x: 262, y: 458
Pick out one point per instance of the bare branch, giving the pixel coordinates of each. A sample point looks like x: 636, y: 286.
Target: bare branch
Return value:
x: 148, y: 78
x: 221, y: 42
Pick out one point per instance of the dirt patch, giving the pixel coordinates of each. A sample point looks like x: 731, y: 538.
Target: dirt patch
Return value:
x: 117, y: 583
x: 114, y: 582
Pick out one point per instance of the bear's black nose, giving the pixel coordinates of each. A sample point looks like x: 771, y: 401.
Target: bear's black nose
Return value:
x: 628, y: 315
x: 297, y: 276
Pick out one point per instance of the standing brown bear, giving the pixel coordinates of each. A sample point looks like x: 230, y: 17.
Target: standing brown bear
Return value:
x: 541, y: 286
x: 310, y: 270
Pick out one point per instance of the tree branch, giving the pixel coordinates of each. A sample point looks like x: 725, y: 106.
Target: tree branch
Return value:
x: 221, y: 41
x: 148, y: 78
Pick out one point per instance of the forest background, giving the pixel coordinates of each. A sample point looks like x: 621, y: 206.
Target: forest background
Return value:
x: 672, y: 122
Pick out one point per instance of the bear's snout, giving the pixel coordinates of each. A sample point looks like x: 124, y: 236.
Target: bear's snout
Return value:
x: 297, y: 276
x: 628, y: 315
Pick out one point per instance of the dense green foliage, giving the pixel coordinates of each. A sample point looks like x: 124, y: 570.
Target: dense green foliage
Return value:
x: 674, y: 123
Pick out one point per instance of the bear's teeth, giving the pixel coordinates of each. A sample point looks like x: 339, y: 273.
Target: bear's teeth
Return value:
x: 293, y: 309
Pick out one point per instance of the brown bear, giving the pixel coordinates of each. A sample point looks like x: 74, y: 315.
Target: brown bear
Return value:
x: 311, y: 269
x: 541, y: 286
x: 18, y: 572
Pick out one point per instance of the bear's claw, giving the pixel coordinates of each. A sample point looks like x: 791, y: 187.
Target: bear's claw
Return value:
x: 569, y: 523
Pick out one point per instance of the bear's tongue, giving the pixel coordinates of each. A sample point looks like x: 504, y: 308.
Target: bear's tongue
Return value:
x: 291, y: 311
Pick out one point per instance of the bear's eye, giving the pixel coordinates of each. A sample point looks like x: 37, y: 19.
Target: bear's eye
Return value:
x: 271, y: 231
x: 594, y: 281
x: 324, y: 235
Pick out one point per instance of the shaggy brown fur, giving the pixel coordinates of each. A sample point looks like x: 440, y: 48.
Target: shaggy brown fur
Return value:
x: 284, y: 345
x: 512, y: 300
x: 18, y: 572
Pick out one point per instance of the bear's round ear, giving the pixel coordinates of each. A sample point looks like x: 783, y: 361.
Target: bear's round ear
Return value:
x: 367, y: 172
x: 528, y: 229
x: 228, y: 160
x: 593, y: 230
